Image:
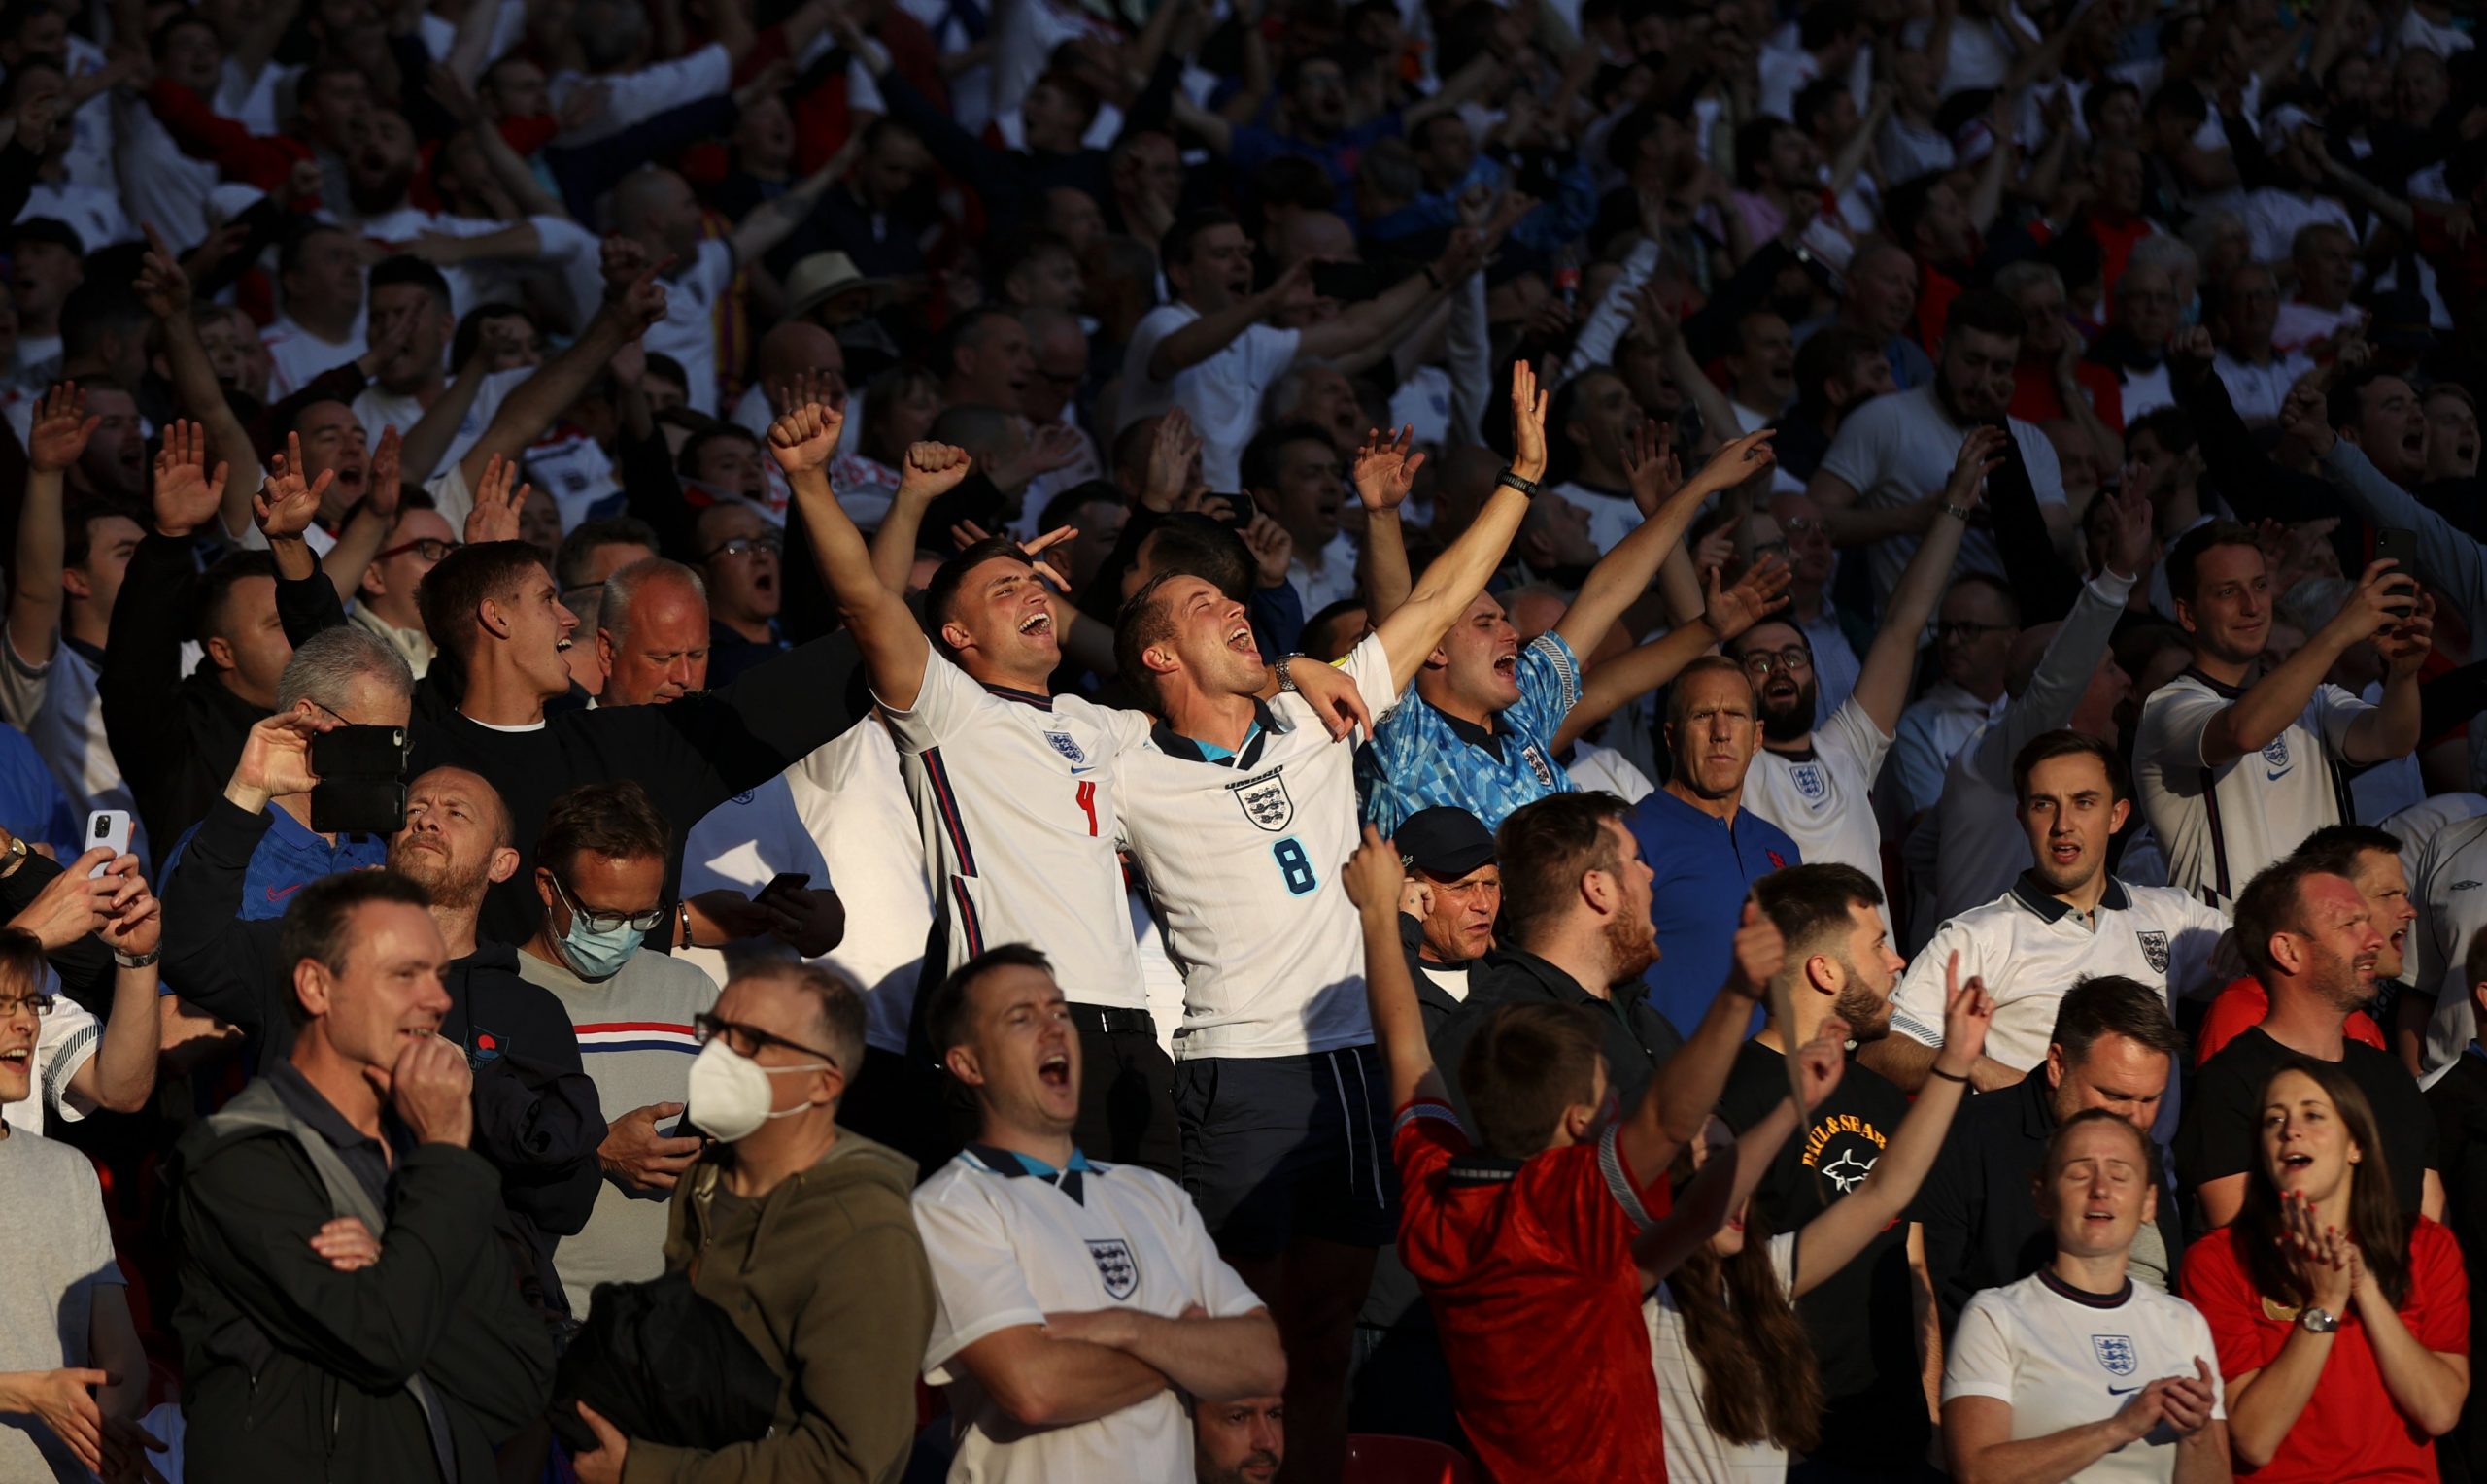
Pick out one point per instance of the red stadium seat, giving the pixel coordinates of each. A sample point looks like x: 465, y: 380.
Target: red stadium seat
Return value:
x: 1376, y: 1458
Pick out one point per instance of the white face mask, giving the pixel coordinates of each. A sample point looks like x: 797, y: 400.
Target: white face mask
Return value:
x: 731, y: 1093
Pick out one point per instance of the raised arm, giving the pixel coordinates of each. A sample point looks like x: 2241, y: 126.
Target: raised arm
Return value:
x: 1384, y: 472
x: 1724, y: 1184
x: 895, y: 649
x: 633, y: 300
x: 1188, y: 345
x: 773, y: 221
x: 1364, y: 332
x: 1455, y: 576
x: 1826, y: 1243
x: 1374, y: 877
x: 1881, y: 682
x: 121, y: 1073
x: 165, y: 290
x: 1672, y: 1108
x: 1607, y: 688
x: 57, y: 436
x: 2249, y: 723
x: 1624, y: 574
x: 367, y: 530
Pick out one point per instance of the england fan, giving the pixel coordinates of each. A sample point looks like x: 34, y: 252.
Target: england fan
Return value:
x: 2448, y: 886
x: 1013, y: 786
x: 1238, y: 814
x: 1080, y: 1302
x: 1814, y: 782
x: 2067, y: 919
x: 2233, y: 771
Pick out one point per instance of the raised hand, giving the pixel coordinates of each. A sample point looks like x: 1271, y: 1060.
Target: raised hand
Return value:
x: 1384, y: 470
x: 162, y: 284
x: 2383, y: 599
x: 804, y: 436
x: 1821, y: 1060
x: 381, y: 481
x: 276, y: 758
x: 2405, y: 646
x: 1762, y: 587
x: 134, y: 924
x: 1760, y: 953
x: 1174, y: 460
x: 1649, y: 463
x: 1528, y: 422
x: 928, y: 471
x: 1738, y: 460
x: 2326, y: 1259
x: 1981, y: 455
x: 1273, y: 550
x: 1054, y: 445
x: 60, y: 428
x: 186, y: 495
x: 1968, y: 1011
x: 494, y: 516
x: 1372, y: 875
x: 287, y: 501
x: 2304, y: 418
x: 2190, y: 353
x: 2132, y: 532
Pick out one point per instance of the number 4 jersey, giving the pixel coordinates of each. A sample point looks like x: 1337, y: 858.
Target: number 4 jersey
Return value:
x: 1244, y: 852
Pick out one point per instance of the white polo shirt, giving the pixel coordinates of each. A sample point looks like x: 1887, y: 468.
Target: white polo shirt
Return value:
x: 1222, y: 393
x: 2221, y: 824
x: 2061, y: 1359
x: 2448, y: 886
x: 1014, y: 803
x: 1243, y: 856
x: 1822, y: 797
x: 2031, y: 947
x: 1009, y: 1245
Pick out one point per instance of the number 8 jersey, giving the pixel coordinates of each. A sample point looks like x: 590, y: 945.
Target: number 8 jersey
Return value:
x: 1243, y: 854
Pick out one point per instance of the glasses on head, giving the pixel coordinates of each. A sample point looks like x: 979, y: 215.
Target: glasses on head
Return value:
x: 429, y: 547
x: 1794, y: 661
x: 745, y: 546
x: 1962, y: 628
x: 609, y: 922
x: 746, y: 1040
x: 10, y: 1006
x: 1804, y: 526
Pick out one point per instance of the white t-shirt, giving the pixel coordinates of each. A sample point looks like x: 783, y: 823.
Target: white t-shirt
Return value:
x: 1336, y: 580
x: 1695, y: 1454
x: 378, y: 409
x: 1014, y: 801
x: 853, y: 799
x: 2030, y: 948
x: 93, y: 213
x: 1222, y: 393
x: 2258, y: 391
x: 1931, y: 733
x: 1900, y: 448
x: 296, y: 355
x: 2062, y: 1362
x: 1007, y: 1248
x: 2220, y: 825
x: 1242, y: 859
x: 1613, y: 515
x: 1823, y: 798
x: 158, y: 182
x: 2448, y: 886
x: 61, y: 1251
x: 2273, y: 217
x: 1603, y: 769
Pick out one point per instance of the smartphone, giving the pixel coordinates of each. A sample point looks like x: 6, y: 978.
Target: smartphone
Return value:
x: 2400, y: 544
x: 1346, y: 283
x: 359, y: 805
x: 359, y: 752
x: 108, y: 828
x: 781, y: 883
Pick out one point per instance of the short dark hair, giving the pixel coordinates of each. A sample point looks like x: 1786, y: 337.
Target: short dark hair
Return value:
x: 570, y: 561
x: 2335, y: 849
x: 1175, y: 248
x: 1144, y: 621
x: 1203, y: 546
x: 614, y: 819
x: 2170, y: 426
x: 2103, y: 1004
x: 2272, y: 903
x: 835, y: 1000
x: 2063, y: 1133
x: 687, y: 463
x: 2346, y: 404
x: 2093, y: 103
x: 405, y: 268
x: 2188, y: 552
x: 943, y: 589
x: 22, y: 960
x: 945, y: 1012
x: 316, y: 922
x: 2064, y: 742
x: 1322, y: 622
x: 1546, y: 847
x: 290, y: 245
x: 100, y: 305
x: 1706, y: 664
x: 1807, y: 901
x: 216, y: 586
x: 1259, y: 467
x: 1825, y: 353
x: 1525, y: 1065
x: 460, y: 581
x: 470, y: 329
x: 78, y: 540
x: 1986, y: 310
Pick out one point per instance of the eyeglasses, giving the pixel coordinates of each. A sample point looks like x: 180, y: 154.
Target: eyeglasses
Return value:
x: 1794, y: 661
x: 1962, y: 628
x: 746, y: 1040
x: 745, y: 546
x: 1804, y: 526
x: 39, y: 1005
x: 429, y: 547
x: 609, y: 922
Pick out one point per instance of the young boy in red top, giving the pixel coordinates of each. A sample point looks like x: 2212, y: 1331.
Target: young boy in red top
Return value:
x: 1531, y: 1249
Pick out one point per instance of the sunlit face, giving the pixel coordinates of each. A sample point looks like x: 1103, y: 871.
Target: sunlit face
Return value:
x: 537, y: 628
x: 1459, y: 925
x: 2230, y: 612
x: 391, y: 991
x: 1715, y: 734
x: 2095, y: 1188
x: 739, y: 558
x: 453, y: 842
x: 1631, y: 937
x: 1477, y: 660
x: 2117, y: 1073
x: 2385, y: 885
x: 1021, y: 1053
x: 2306, y: 1149
x: 2069, y: 815
x: 1212, y: 644
x: 1870, y: 972
x: 660, y: 652
x: 2337, y: 942
x: 1243, y: 1442
x: 1780, y: 664
x: 1003, y: 619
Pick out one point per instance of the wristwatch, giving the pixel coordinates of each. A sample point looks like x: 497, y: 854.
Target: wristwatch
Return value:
x: 14, y: 856
x: 1527, y: 486
x: 137, y: 961
x: 2316, y: 1320
x: 1284, y: 671
x: 1959, y: 513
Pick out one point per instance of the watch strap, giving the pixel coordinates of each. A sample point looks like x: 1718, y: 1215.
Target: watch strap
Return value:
x: 1527, y: 486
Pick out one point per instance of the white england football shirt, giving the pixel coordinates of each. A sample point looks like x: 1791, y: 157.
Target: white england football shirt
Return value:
x: 2063, y: 1359
x: 2030, y: 948
x: 2448, y: 886
x: 1242, y: 859
x: 1014, y: 801
x: 1822, y: 797
x: 1008, y: 1247
x: 1222, y: 393
x: 2221, y: 825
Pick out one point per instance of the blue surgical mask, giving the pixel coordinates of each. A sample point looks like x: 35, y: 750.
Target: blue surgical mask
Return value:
x: 598, y: 953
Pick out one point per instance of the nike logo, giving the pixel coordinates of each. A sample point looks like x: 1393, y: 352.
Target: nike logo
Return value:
x: 1081, y: 772
x: 2119, y: 1391
x: 2275, y: 777
x: 280, y: 894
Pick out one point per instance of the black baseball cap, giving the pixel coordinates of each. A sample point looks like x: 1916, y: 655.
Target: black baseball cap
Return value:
x: 48, y: 229
x: 1445, y: 841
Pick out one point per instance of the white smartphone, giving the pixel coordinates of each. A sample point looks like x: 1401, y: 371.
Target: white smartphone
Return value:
x: 107, y: 827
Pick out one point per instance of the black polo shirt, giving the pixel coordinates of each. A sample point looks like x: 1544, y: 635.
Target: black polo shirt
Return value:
x: 1636, y: 1039
x: 2221, y: 1132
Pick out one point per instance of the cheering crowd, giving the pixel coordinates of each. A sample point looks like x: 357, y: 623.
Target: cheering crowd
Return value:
x: 1030, y: 740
